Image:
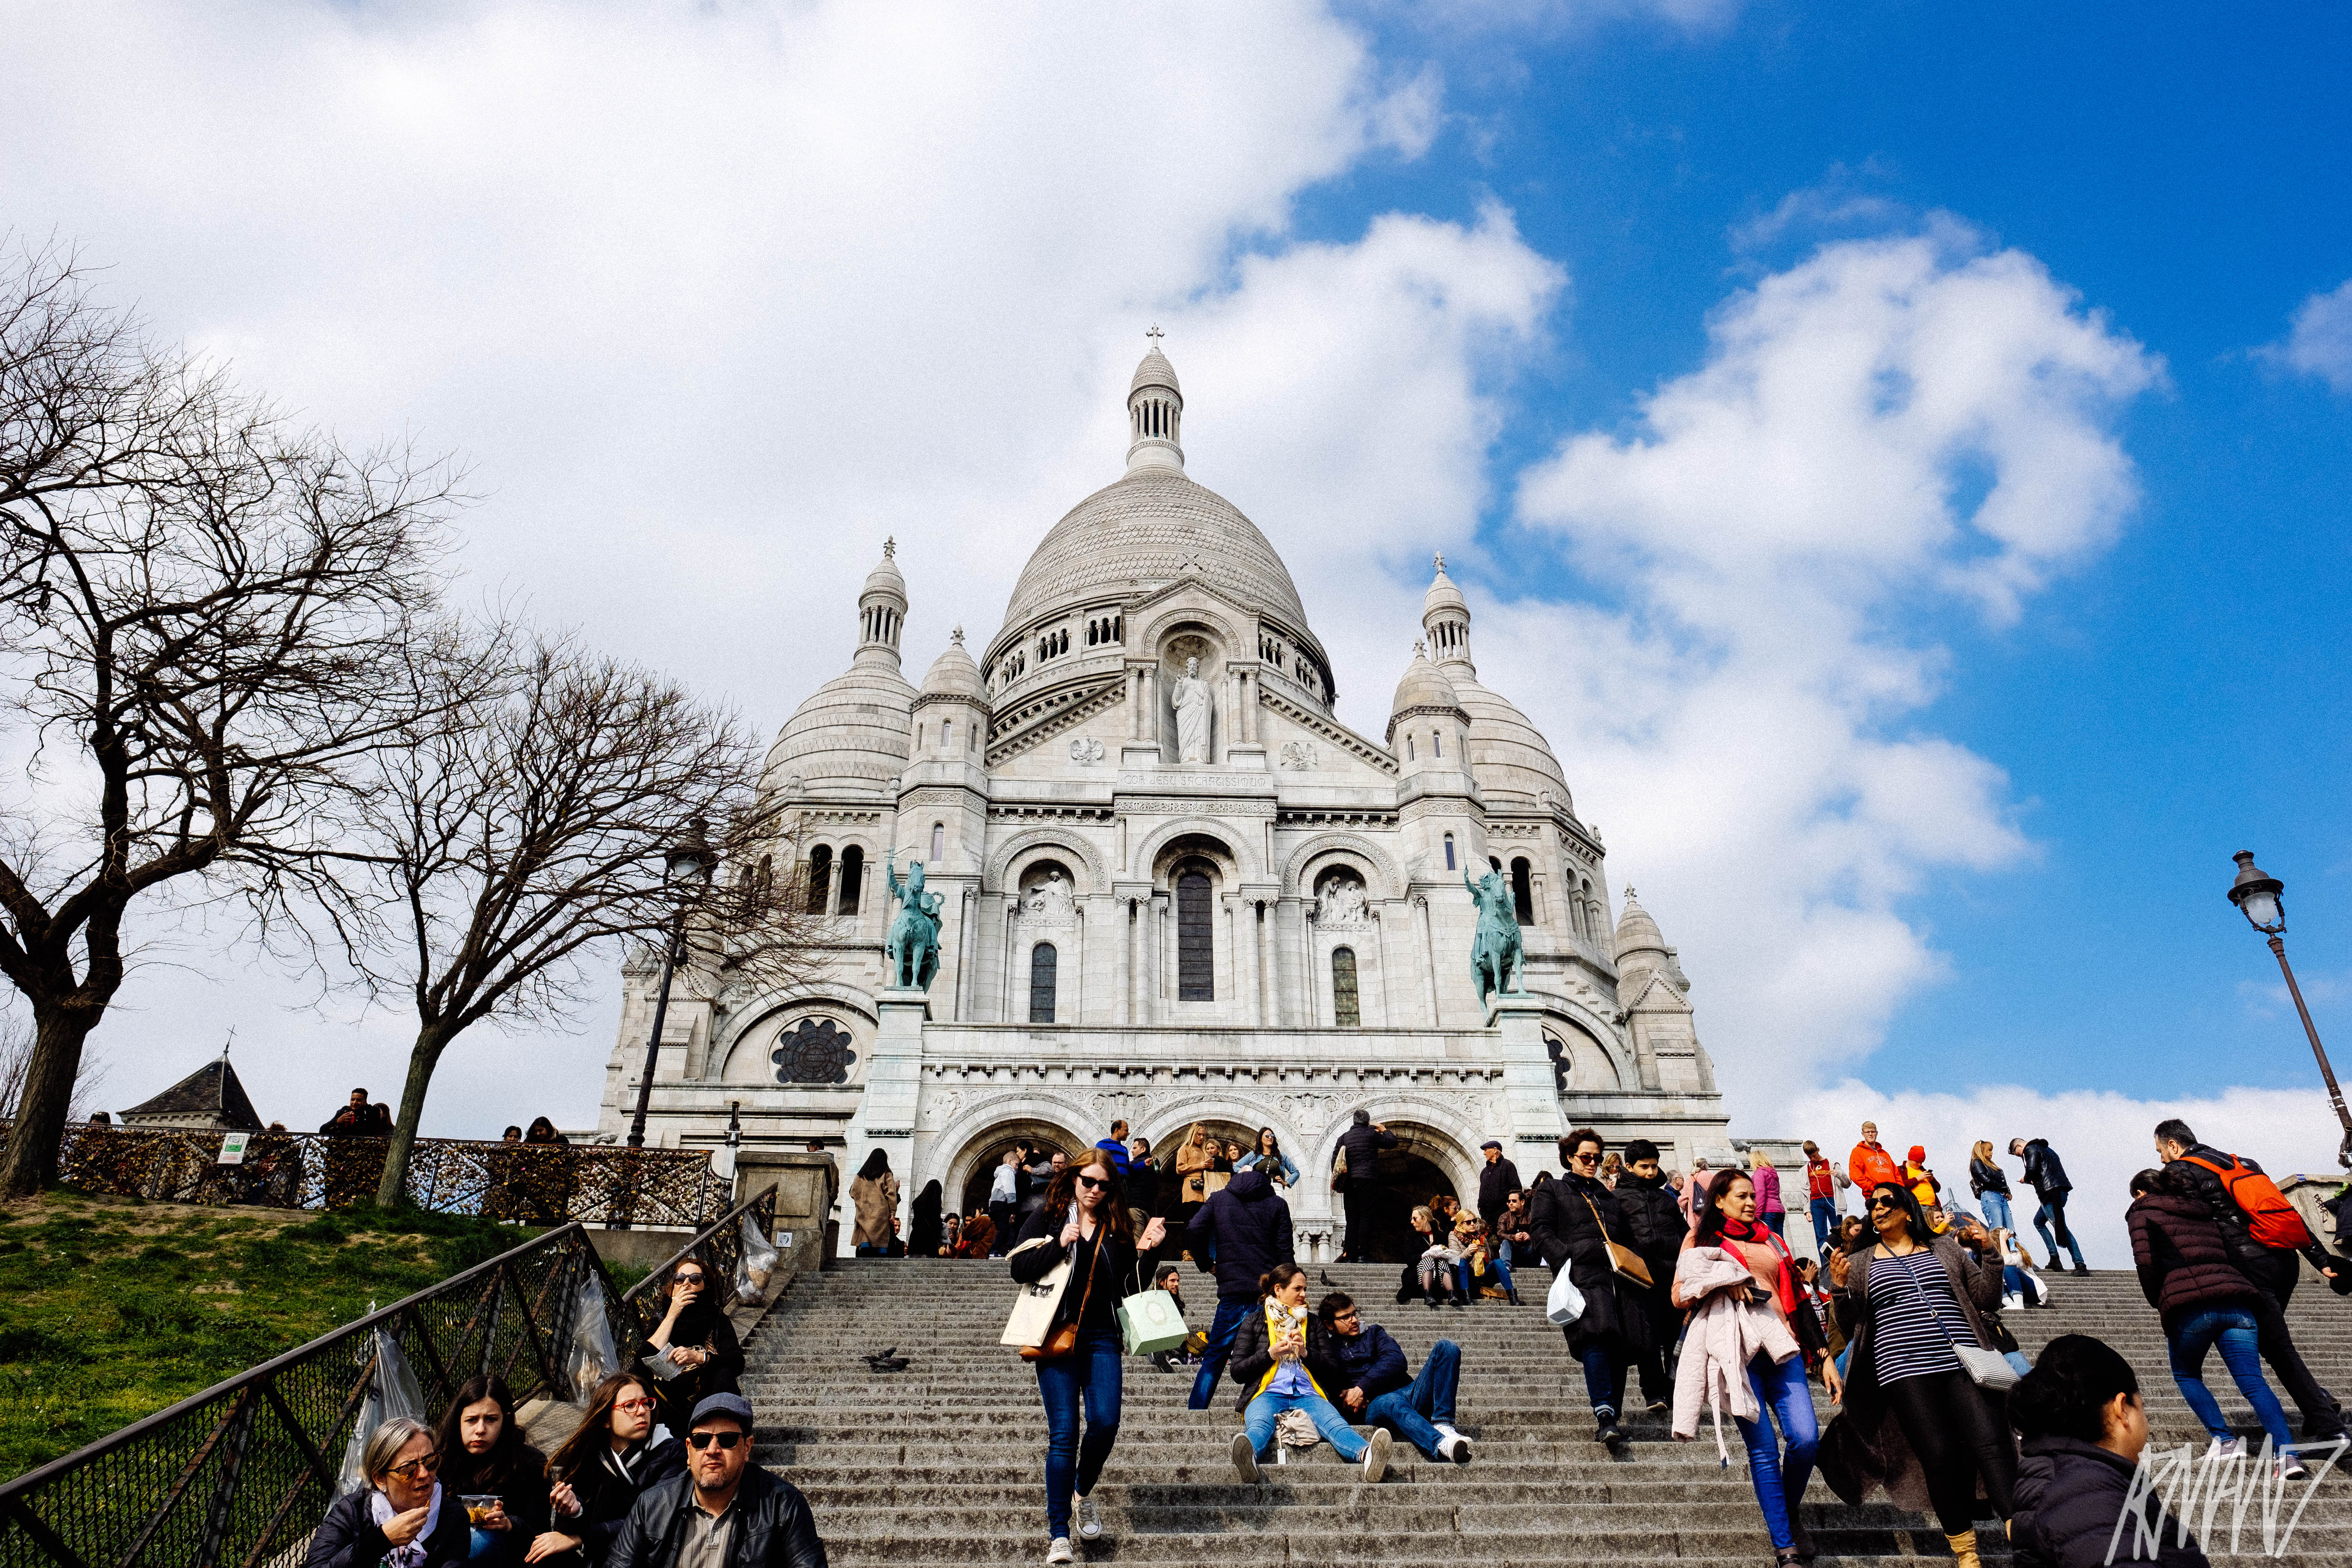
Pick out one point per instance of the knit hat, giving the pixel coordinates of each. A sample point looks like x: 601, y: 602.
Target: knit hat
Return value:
x: 1918, y: 1155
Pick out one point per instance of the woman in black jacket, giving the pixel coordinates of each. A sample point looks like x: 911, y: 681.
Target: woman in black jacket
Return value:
x: 695, y: 1338
x: 1573, y: 1220
x: 1990, y: 1182
x: 616, y: 1455
x: 1082, y: 1222
x: 484, y: 1453
x: 404, y: 1518
x: 2189, y: 1277
x: 2079, y: 1413
x: 1287, y: 1358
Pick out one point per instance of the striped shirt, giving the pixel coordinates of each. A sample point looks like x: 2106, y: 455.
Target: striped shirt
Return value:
x: 1915, y: 1317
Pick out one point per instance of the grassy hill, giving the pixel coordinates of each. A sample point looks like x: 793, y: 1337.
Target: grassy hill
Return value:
x: 110, y: 1309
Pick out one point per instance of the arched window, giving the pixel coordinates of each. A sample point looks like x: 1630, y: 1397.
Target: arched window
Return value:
x: 1408, y: 745
x: 820, y: 880
x: 1044, y: 967
x: 1346, y: 1012
x: 1449, y: 852
x: 1437, y: 742
x: 938, y: 840
x: 1196, y: 961
x: 971, y: 739
x: 852, y: 877
x: 1523, y: 891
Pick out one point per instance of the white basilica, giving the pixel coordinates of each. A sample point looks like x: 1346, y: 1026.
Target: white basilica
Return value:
x: 1177, y: 889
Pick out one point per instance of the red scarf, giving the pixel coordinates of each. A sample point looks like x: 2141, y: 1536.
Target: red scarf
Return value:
x: 1756, y: 1232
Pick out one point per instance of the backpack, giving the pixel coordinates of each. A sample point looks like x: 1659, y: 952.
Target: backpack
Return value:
x: 2270, y: 1219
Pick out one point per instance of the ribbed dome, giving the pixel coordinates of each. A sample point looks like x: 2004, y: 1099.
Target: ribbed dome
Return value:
x: 955, y: 673
x: 886, y: 577
x: 1150, y: 528
x: 1442, y: 595
x: 1637, y: 933
x: 1423, y: 686
x: 1508, y: 756
x: 1155, y: 371
x: 854, y: 733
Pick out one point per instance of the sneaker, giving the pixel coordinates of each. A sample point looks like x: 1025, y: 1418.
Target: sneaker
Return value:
x: 1089, y: 1520
x: 1376, y: 1455
x: 1452, y: 1447
x: 1244, y: 1458
x: 1605, y: 1429
x: 2290, y: 1468
x: 2226, y: 1448
x: 1059, y: 1551
x: 1655, y: 1405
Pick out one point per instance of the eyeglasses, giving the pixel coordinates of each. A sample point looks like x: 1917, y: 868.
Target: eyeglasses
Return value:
x: 1585, y: 1159
x: 701, y: 1440
x: 1094, y: 1181
x: 633, y: 1406
x: 415, y: 1467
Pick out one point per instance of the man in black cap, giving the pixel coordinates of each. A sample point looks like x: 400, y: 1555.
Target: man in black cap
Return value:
x: 1496, y: 1182
x: 725, y: 1511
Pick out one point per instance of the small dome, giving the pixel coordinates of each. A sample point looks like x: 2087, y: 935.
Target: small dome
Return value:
x: 1155, y: 371
x: 1442, y: 595
x: 1637, y: 933
x: 1423, y: 686
x: 886, y: 577
x: 854, y: 733
x: 1508, y: 756
x: 955, y: 673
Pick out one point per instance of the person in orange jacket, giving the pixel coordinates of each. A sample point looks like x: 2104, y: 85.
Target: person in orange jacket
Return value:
x: 1869, y: 1164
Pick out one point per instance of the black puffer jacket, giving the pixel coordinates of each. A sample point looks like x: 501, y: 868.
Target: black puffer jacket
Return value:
x: 1568, y: 1219
x: 1253, y: 1357
x: 2184, y: 1263
x: 2043, y: 1172
x: 349, y: 1537
x: 1653, y: 1223
x: 773, y: 1527
x: 1250, y: 1225
x: 2069, y: 1495
x: 609, y: 1484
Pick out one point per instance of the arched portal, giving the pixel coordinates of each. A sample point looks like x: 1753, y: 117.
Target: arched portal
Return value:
x: 1405, y: 1178
x: 971, y: 1171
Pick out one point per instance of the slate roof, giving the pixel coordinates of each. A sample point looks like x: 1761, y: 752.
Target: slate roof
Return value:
x: 212, y: 1089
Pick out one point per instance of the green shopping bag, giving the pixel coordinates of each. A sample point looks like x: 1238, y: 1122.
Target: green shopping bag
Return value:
x: 1150, y: 1322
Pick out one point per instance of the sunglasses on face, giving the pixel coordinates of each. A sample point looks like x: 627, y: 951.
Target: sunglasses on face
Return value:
x: 1877, y: 1204
x: 687, y: 1279
x: 701, y: 1440
x: 1094, y: 1181
x: 1585, y: 1159
x: 415, y: 1467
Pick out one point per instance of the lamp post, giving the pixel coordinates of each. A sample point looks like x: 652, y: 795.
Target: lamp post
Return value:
x: 687, y: 869
x: 2258, y: 898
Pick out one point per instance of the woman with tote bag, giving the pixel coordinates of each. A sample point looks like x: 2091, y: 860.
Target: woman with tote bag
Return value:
x: 1083, y: 1223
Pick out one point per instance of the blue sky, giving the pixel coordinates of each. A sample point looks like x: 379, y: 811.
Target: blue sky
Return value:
x: 1871, y: 437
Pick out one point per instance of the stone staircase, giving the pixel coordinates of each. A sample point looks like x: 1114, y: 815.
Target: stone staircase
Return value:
x: 944, y: 1462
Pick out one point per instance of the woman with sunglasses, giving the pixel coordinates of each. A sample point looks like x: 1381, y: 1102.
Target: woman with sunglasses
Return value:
x: 402, y: 1518
x: 695, y: 1337
x: 616, y: 1453
x: 1909, y: 1298
x: 1573, y: 1221
x: 1084, y: 1220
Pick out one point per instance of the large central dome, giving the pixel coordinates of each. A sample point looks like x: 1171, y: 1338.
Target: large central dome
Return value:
x: 1153, y: 527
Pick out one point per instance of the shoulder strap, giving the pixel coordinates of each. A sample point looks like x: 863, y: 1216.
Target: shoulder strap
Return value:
x: 1913, y: 1280
x: 1598, y: 1222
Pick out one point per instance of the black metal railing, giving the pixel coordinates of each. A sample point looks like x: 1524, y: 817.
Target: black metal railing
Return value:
x: 721, y: 1251
x: 535, y: 1184
x: 242, y: 1472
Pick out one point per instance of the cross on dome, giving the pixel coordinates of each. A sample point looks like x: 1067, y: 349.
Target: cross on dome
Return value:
x: 1153, y: 332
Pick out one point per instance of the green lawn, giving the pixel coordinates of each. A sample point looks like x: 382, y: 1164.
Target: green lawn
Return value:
x: 111, y: 1308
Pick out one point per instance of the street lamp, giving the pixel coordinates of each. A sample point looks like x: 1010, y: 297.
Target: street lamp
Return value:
x: 687, y: 869
x: 2258, y: 898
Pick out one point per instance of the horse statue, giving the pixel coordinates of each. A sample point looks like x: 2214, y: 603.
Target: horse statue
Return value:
x: 1496, y: 957
x: 911, y: 951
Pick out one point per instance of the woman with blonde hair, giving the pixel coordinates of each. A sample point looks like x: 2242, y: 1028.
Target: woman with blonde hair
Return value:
x: 1991, y: 1185
x: 1195, y: 1159
x: 1766, y: 1179
x: 402, y: 1518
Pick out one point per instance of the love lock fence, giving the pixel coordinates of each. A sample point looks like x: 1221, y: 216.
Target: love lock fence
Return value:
x: 242, y: 1472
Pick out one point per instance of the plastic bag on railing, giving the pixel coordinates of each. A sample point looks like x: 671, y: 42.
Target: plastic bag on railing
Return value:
x: 592, y: 1358
x: 755, y: 1267
x: 391, y: 1392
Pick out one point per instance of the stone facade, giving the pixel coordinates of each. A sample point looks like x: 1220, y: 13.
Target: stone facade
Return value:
x: 1177, y: 888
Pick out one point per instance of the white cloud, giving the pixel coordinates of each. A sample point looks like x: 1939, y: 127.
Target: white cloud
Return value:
x: 1893, y: 426
x: 2320, y: 341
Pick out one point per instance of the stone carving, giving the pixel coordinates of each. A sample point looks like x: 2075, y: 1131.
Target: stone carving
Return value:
x: 911, y: 951
x: 814, y: 1050
x: 1050, y: 900
x: 1342, y: 903
x: 1192, y: 701
x: 1086, y: 750
x: 1496, y: 959
x: 1298, y: 755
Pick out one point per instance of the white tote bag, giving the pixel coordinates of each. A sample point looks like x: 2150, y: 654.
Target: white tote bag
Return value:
x: 1566, y: 1302
x: 1033, y: 1305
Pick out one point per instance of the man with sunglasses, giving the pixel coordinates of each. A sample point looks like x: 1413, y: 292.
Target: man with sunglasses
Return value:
x: 725, y: 1511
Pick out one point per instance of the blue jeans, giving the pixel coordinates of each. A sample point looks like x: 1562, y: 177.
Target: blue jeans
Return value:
x: 2015, y: 1280
x: 1604, y: 1379
x: 1996, y: 1211
x: 1415, y: 1411
x: 2231, y: 1328
x: 1258, y: 1422
x: 1228, y: 1322
x: 1502, y: 1272
x: 1088, y: 1374
x: 1825, y: 1223
x: 2054, y: 1211
x: 1780, y: 1478
x: 1778, y: 1220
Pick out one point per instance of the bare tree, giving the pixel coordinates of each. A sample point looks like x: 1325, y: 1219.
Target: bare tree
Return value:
x: 522, y: 835
x: 207, y: 617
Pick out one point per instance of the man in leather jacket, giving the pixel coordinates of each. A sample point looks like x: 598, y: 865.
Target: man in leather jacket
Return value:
x: 725, y: 1511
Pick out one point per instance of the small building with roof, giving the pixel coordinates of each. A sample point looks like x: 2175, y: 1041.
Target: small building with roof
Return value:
x: 209, y: 1099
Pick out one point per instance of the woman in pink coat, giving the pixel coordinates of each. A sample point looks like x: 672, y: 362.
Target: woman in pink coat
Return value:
x: 1768, y: 1192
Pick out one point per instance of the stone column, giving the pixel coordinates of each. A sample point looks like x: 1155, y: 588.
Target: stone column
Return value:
x: 1079, y: 992
x: 1124, y: 924
x: 1292, y: 958
x: 1241, y: 913
x: 1428, y: 957
x: 1164, y: 906
x: 1004, y: 1012
x: 1135, y: 704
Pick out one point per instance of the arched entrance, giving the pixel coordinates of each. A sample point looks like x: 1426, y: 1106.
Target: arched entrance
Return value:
x: 1405, y: 1180
x: 987, y: 1152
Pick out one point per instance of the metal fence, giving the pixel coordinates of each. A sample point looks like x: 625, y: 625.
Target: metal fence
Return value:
x: 722, y: 1251
x: 536, y: 1184
x: 243, y: 1472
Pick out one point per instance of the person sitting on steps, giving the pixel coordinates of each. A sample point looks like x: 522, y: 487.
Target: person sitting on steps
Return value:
x: 1372, y: 1365
x: 1285, y: 1358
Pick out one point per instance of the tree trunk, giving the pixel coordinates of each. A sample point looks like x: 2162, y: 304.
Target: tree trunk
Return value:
x: 31, y: 1161
x: 422, y: 1059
